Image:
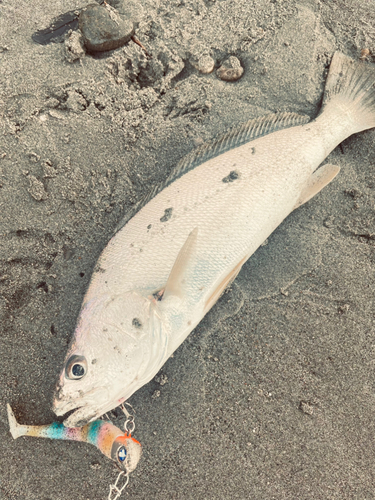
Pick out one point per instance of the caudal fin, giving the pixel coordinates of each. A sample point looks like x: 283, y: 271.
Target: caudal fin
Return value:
x: 15, y: 429
x: 350, y: 86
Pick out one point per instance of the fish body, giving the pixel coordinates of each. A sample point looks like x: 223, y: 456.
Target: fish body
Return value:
x: 166, y: 267
x: 108, y: 438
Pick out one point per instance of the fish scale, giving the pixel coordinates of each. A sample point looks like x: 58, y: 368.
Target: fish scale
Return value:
x: 168, y: 264
x: 221, y: 211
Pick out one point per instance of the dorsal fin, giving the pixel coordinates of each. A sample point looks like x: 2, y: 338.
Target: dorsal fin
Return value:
x: 237, y: 136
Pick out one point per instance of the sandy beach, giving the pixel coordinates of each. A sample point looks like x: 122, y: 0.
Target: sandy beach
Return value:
x: 273, y: 395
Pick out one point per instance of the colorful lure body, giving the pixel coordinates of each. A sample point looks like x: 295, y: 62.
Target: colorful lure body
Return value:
x: 109, y: 439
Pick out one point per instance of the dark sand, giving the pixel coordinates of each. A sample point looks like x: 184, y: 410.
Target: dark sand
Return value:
x: 272, y: 396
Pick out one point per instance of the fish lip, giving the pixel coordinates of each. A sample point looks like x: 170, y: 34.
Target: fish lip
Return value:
x: 82, y: 415
x: 76, y: 420
x: 63, y: 403
x: 62, y: 407
x: 82, y: 412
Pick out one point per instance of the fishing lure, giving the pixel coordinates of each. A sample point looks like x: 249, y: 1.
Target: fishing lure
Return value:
x: 120, y: 447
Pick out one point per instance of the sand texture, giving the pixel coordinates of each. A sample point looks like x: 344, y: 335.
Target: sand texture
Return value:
x: 272, y: 395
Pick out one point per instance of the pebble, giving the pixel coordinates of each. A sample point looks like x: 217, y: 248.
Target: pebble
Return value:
x: 344, y: 308
x: 329, y: 221
x: 161, y: 379
x: 74, y: 47
x: 205, y: 64
x: 231, y: 70
x: 306, y: 407
x: 156, y: 395
x: 36, y: 189
x: 103, y: 29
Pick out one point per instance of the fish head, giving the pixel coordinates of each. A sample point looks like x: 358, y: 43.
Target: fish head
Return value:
x: 112, y: 354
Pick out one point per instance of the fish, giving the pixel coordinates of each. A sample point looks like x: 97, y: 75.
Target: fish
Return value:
x: 169, y: 261
x: 120, y: 447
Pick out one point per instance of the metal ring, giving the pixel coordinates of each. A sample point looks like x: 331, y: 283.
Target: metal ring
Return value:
x: 131, y: 424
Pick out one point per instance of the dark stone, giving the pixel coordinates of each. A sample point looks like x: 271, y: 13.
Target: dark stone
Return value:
x: 103, y: 29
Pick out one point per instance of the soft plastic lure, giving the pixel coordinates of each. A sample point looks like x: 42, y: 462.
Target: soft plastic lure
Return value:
x: 109, y: 439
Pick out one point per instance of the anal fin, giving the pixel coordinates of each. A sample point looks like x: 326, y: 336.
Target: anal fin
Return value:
x: 317, y: 181
x: 214, y: 297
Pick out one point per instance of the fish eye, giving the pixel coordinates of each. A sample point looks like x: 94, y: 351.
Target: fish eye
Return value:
x: 121, y: 454
x: 76, y: 367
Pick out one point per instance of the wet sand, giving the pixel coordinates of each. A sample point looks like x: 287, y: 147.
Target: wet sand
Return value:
x: 272, y: 395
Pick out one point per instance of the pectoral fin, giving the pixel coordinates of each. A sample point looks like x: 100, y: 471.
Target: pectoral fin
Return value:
x: 175, y: 283
x: 318, y: 180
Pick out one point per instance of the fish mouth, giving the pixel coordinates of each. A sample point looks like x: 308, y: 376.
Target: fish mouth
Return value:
x: 84, y: 411
x: 81, y: 415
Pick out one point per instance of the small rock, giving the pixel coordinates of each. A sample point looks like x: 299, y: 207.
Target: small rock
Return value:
x: 103, y: 28
x: 329, y: 221
x: 74, y: 47
x: 306, y: 407
x: 36, y: 189
x: 365, y: 53
x: 48, y: 170
x: 205, y: 64
x: 231, y: 70
x: 161, y: 379
x: 354, y: 193
x: 156, y: 395
x: 343, y: 309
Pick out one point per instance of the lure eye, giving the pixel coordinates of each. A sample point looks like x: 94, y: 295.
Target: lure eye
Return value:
x: 121, y: 454
x: 76, y: 367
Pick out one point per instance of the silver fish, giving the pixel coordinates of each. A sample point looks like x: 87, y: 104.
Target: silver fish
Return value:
x: 167, y: 266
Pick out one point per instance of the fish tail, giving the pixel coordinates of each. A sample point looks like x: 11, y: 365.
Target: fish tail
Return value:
x: 350, y: 88
x: 15, y: 428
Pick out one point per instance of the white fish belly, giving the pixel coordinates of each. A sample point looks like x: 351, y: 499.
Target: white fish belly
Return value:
x: 235, y: 200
